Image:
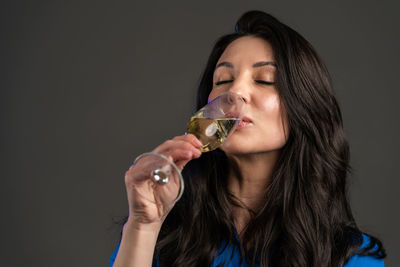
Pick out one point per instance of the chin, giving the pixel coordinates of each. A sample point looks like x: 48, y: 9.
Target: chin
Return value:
x: 242, y: 148
x: 234, y: 148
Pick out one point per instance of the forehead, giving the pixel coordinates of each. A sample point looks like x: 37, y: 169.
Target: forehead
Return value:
x: 247, y: 50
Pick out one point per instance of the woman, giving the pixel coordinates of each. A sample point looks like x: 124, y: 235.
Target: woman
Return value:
x: 274, y: 194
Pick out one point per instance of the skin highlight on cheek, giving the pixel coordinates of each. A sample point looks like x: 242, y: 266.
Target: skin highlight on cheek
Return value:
x: 272, y: 104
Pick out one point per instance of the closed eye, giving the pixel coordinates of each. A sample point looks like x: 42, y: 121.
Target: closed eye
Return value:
x: 265, y: 82
x: 223, y: 82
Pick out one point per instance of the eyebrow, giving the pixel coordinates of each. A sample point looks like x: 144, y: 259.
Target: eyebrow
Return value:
x: 255, y: 65
x: 263, y: 63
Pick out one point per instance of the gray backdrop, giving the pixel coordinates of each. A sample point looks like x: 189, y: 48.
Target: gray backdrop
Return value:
x: 88, y: 85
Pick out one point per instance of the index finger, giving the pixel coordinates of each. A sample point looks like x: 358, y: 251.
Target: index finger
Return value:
x: 191, y: 139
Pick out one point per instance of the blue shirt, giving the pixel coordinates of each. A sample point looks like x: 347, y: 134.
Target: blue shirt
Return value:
x: 230, y: 257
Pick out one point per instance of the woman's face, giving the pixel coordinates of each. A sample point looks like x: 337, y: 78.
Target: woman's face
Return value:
x: 247, y: 67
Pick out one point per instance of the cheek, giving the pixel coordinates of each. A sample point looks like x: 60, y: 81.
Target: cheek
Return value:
x: 275, y: 124
x: 271, y: 106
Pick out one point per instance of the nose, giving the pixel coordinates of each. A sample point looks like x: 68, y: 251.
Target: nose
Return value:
x: 242, y: 88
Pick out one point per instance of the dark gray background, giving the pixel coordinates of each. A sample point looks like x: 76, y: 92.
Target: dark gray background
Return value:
x: 88, y: 85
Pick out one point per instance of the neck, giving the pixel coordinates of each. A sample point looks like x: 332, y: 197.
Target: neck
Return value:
x: 248, y: 178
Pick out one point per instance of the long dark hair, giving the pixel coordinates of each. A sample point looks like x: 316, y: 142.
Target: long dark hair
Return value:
x: 306, y: 219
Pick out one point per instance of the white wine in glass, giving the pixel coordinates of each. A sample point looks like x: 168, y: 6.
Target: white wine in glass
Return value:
x: 211, y: 132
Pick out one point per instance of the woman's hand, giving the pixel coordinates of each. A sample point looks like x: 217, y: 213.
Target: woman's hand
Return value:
x: 149, y: 215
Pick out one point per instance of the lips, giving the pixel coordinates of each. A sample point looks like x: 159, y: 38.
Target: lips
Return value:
x: 245, y: 119
x: 244, y: 123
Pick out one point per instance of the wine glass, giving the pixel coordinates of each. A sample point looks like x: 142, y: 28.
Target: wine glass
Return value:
x: 158, y: 179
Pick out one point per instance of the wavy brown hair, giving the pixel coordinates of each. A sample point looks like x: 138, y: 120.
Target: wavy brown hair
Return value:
x: 306, y: 219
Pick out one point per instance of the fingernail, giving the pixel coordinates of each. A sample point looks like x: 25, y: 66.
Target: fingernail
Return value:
x: 133, y: 163
x: 185, y: 133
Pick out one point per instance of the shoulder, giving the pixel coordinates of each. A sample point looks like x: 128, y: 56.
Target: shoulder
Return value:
x: 364, y: 260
